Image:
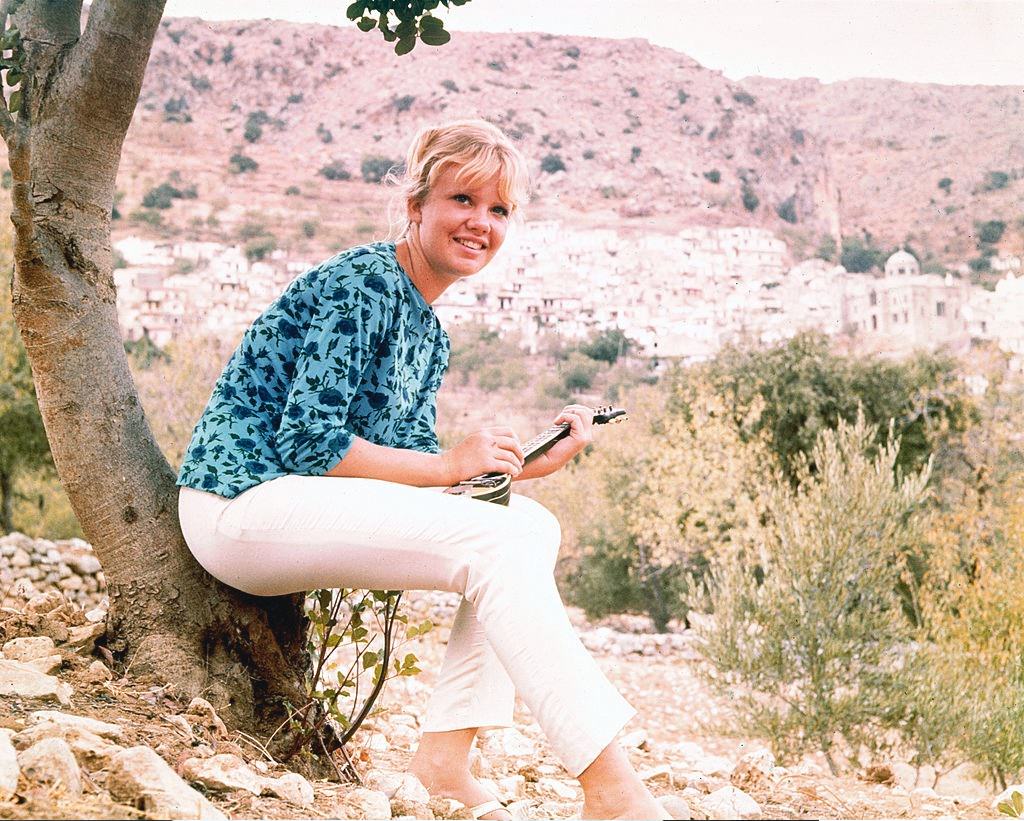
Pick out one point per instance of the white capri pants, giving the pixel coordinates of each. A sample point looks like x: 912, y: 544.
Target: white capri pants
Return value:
x: 511, y: 632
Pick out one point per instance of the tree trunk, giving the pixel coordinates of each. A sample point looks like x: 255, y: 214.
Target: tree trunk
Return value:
x: 6, y: 503
x: 167, y: 616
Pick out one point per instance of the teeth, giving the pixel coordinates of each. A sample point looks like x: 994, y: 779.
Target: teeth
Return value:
x: 476, y: 246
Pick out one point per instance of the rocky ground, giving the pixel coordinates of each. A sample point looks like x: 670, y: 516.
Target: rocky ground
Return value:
x: 80, y: 740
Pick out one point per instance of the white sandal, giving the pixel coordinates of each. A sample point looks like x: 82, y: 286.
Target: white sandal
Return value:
x: 488, y: 806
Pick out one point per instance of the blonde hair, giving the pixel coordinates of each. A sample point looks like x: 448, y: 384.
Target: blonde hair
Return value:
x: 478, y: 148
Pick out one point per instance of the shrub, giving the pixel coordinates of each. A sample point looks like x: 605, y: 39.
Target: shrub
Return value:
x: 632, y: 91
x: 228, y: 54
x: 199, y: 83
x: 607, y: 346
x: 750, y: 198
x: 161, y: 197
x: 335, y: 170
x: 292, y: 191
x: 588, y: 154
x: 259, y: 247
x: 309, y: 228
x: 797, y: 136
x: 176, y: 110
x: 994, y: 180
x: 946, y: 184
x: 375, y: 167
x: 297, y: 97
x: 577, y: 373
x: 827, y: 248
x: 497, y: 65
x: 7, y: 180
x: 240, y: 164
x: 634, y: 153
x: 254, y: 125
x: 682, y: 96
x: 551, y: 164
x: 403, y: 103
x: 787, y: 209
x: 573, y: 53
x: 991, y: 232
x: 449, y: 85
x: 860, y: 255
x: 713, y: 176
x: 743, y: 98
x: 805, y: 629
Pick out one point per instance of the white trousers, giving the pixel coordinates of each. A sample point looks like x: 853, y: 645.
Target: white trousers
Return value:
x: 511, y: 632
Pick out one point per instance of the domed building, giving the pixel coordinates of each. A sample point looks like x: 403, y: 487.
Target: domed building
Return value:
x: 902, y: 263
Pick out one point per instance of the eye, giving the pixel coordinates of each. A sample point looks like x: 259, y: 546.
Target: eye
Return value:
x: 501, y: 210
x: 461, y: 197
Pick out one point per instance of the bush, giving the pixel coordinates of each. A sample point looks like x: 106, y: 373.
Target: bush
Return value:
x: 750, y: 198
x: 805, y: 630
x: 176, y: 110
x: 335, y: 170
x: 573, y: 53
x: 309, y: 228
x: 403, y: 103
x: 634, y: 153
x: 551, y: 164
x: 295, y: 98
x: 859, y: 255
x: 161, y: 197
x: 240, y: 164
x: 588, y: 154
x: 292, y: 191
x: 787, y: 209
x: 994, y: 180
x: 449, y: 85
x: 682, y: 96
x: 607, y: 346
x: 991, y: 232
x: 743, y: 98
x: 946, y: 184
x: 375, y: 167
x: 714, y: 176
x: 199, y: 83
x: 826, y: 248
x: 260, y: 247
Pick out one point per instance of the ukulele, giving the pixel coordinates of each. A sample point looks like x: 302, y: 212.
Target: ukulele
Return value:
x: 497, y: 487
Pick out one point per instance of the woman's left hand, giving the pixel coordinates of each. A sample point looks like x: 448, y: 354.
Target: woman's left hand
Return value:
x: 580, y: 419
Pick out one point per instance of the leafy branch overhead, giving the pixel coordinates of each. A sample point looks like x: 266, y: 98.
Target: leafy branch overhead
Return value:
x: 414, y: 19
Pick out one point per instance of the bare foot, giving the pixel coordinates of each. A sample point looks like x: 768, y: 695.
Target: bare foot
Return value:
x: 445, y: 782
x: 636, y: 806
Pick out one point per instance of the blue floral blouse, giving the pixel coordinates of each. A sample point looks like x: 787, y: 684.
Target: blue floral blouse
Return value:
x: 350, y: 348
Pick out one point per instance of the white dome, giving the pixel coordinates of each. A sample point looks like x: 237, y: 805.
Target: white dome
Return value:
x: 902, y: 262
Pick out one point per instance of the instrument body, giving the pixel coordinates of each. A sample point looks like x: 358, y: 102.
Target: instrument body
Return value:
x: 497, y: 487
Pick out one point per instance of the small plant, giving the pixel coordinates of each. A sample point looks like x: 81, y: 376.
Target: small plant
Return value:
x: 552, y: 164
x: 335, y: 170
x: 497, y: 65
x: 946, y: 184
x: 991, y: 232
x: 309, y: 228
x: 254, y: 125
x: 750, y: 198
x: 714, y: 176
x: 375, y: 168
x: 176, y: 110
x: 588, y: 154
x: 240, y: 164
x: 199, y: 83
x: 994, y: 180
x: 228, y: 54
x: 260, y: 247
x: 294, y: 99
x: 634, y: 153
x: 787, y: 209
x: 403, y: 103
x: 450, y: 86
x: 293, y: 191
x: 632, y: 91
x: 797, y: 136
x: 743, y: 98
x: 682, y: 96
x: 324, y: 133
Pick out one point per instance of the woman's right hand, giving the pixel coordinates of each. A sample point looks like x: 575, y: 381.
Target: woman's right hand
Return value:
x: 491, y: 450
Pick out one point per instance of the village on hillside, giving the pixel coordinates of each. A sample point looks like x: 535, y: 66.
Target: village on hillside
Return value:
x: 678, y: 297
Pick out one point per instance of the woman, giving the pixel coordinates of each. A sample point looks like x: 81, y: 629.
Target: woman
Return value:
x: 308, y: 465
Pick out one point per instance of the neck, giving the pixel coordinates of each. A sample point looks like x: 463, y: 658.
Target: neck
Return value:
x: 411, y: 258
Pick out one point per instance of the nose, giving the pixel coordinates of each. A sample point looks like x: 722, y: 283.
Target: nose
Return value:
x: 477, y: 221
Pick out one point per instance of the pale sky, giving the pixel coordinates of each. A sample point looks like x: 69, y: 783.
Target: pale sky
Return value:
x: 937, y: 41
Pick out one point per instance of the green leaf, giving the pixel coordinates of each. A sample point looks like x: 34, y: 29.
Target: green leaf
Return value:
x: 359, y: 633
x: 410, y: 671
x: 366, y: 24
x: 404, y: 46
x: 435, y: 37
x: 426, y: 627
x: 333, y: 641
x: 428, y: 21
x: 406, y: 29
x: 409, y: 660
x: 369, y: 660
x: 355, y: 10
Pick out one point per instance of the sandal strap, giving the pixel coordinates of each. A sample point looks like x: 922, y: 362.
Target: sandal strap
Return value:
x: 488, y: 806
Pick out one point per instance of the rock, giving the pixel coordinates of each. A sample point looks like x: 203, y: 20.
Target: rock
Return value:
x: 97, y: 672
x: 44, y: 602
x: 27, y: 648
x: 715, y: 766
x: 405, y: 720
x: 557, y: 788
x: 378, y: 743
x: 662, y: 774
x: 85, y: 564
x: 180, y: 723
x: 21, y: 558
x: 138, y: 776
x: 290, y: 787
x: 23, y: 588
x: 449, y: 808
x: 364, y: 803
x: 508, y: 741
x: 403, y: 809
x: 411, y: 791
x: 201, y: 709
x: 21, y: 680
x: 636, y: 740
x: 96, y: 615
x: 46, y: 664
x: 479, y: 765
x: 222, y: 772
x: 729, y: 803
x: 676, y: 807
x: 511, y: 787
x: 403, y: 737
x: 91, y: 751
x: 754, y: 770
x: 9, y: 768
x: 52, y: 762
x: 83, y: 637
x: 101, y: 728
x: 384, y: 781
x: 920, y: 794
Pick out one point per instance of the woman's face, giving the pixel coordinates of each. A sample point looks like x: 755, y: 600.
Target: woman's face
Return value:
x: 461, y: 227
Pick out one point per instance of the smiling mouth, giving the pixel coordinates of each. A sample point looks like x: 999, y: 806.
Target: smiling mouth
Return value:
x: 470, y: 244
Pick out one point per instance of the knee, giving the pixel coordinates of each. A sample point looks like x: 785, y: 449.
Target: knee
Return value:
x: 541, y: 525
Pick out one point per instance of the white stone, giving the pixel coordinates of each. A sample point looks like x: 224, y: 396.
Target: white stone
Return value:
x: 511, y: 787
x: 85, y: 564
x: 140, y: 777
x: 21, y: 558
x: 96, y: 615
x: 714, y: 765
x: 104, y: 729
x: 378, y: 743
x: 364, y: 803
x: 508, y: 741
x: 46, y: 664
x: 676, y: 807
x: 52, y: 762
x: 225, y: 771
x: 557, y: 788
x: 384, y: 781
x: 202, y: 709
x: 403, y: 737
x: 8, y: 768
x: 21, y: 680
x: 44, y: 602
x: 292, y: 788
x: 27, y: 648
x: 728, y: 803
x: 411, y: 791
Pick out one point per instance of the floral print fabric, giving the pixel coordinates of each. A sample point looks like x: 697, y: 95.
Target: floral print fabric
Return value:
x: 350, y: 348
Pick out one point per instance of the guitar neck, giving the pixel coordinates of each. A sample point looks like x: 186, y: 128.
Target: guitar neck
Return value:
x: 543, y: 441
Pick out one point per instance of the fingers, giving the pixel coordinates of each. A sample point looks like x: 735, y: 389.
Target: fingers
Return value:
x: 580, y: 419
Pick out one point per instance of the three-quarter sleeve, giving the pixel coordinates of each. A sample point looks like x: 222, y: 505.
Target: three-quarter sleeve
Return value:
x: 343, y: 336
x: 422, y: 434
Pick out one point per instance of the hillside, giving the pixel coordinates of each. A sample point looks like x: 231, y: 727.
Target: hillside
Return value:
x: 647, y: 136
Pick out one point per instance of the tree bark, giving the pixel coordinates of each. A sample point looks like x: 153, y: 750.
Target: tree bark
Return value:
x: 167, y: 616
x: 6, y: 504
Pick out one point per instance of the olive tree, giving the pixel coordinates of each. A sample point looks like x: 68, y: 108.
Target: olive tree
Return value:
x: 72, y: 87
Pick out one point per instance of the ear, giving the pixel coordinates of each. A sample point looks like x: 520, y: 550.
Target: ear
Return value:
x: 413, y: 210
